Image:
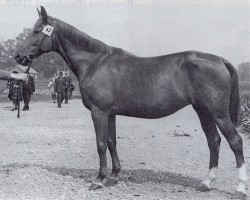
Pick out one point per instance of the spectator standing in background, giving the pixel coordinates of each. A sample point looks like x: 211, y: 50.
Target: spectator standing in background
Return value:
x: 5, y: 75
x: 59, y: 89
x: 68, y: 81
x: 51, y: 86
x: 12, y: 84
x: 27, y: 90
x: 71, y: 89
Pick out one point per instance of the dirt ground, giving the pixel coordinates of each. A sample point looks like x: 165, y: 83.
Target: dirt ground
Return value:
x: 50, y: 153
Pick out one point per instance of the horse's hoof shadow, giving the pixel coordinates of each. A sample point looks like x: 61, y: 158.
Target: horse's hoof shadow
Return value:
x: 110, y: 181
x: 238, y: 195
x: 95, y: 186
x: 203, y: 188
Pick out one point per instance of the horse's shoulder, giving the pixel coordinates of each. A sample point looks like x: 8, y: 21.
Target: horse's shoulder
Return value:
x: 113, y: 60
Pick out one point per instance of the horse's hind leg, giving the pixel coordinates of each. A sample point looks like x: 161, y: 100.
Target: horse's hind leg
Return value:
x: 213, y: 139
x: 116, y: 167
x: 227, y: 128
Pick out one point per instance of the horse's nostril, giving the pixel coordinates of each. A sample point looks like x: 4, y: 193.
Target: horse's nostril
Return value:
x: 16, y: 55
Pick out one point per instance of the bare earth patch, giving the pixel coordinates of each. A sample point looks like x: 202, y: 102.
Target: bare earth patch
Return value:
x: 50, y: 153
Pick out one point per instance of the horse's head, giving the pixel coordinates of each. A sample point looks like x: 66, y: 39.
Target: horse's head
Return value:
x: 38, y: 41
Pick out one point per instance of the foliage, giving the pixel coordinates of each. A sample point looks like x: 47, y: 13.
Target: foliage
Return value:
x: 46, y: 65
x: 244, y: 77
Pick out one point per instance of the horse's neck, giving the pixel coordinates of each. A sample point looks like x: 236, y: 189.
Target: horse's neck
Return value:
x: 78, y: 49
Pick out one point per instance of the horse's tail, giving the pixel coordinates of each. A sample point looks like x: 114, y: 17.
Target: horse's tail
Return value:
x: 235, y: 95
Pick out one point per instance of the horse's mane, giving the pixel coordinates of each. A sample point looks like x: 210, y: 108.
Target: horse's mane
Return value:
x: 81, y: 39
x: 84, y: 41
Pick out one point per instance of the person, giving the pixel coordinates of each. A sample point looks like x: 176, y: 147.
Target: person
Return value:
x: 5, y: 75
x: 51, y: 86
x: 71, y: 89
x: 68, y: 81
x: 13, y: 86
x: 27, y: 90
x: 59, y: 89
x: 54, y: 77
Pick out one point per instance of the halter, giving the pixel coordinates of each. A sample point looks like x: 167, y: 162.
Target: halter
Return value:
x: 47, y: 31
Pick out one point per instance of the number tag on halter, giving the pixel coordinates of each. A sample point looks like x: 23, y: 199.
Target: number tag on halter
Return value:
x: 47, y: 30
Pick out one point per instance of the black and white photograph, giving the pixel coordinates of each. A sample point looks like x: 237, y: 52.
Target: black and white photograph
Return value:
x: 124, y: 99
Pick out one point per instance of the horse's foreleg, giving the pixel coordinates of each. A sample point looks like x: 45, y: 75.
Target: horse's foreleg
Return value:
x: 214, y: 140
x: 100, y: 120
x: 235, y: 141
x: 116, y: 167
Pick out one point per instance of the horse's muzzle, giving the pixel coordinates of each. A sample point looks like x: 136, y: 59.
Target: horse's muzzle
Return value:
x: 24, y: 60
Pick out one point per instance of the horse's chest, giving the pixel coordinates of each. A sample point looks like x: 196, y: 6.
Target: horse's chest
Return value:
x: 85, y: 98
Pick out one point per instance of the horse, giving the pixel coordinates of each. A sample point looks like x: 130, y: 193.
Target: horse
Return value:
x: 114, y: 82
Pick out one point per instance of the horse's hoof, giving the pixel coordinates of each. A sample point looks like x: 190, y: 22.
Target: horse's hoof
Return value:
x: 203, y: 188
x: 95, y: 186
x: 109, y: 181
x: 238, y: 195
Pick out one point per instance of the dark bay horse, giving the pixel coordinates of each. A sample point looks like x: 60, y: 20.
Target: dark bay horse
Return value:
x: 114, y: 82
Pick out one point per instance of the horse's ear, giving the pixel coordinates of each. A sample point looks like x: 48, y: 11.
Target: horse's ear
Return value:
x: 39, y: 13
x: 44, y: 14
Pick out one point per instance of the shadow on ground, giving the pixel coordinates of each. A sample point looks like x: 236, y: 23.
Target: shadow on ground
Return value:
x: 138, y: 176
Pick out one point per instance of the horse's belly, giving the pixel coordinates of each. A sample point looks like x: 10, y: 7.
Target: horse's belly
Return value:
x: 151, y: 111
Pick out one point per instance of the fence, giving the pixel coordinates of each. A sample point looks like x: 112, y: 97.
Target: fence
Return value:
x: 43, y: 85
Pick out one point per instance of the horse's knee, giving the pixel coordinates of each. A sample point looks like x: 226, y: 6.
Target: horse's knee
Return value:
x: 101, y: 147
x: 110, y: 141
x: 111, y: 144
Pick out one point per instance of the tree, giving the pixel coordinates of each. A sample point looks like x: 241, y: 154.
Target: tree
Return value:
x: 10, y: 47
x: 2, y: 56
x: 22, y: 36
x: 46, y: 64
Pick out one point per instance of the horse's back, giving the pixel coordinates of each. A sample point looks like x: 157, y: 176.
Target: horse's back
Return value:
x: 157, y: 86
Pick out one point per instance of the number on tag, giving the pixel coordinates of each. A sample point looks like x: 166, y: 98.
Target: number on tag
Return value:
x: 47, y: 30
